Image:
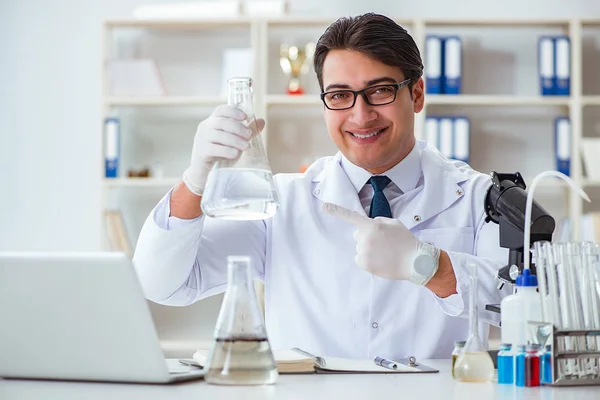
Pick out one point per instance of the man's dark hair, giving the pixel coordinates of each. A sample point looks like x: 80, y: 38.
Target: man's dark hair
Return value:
x: 377, y: 37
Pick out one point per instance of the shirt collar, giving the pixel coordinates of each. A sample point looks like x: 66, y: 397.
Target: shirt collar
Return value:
x: 405, y: 174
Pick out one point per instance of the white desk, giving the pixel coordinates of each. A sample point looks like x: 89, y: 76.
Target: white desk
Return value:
x: 314, y: 386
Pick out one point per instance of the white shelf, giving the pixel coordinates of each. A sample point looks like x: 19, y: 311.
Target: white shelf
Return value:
x: 299, y: 21
x: 587, y: 22
x: 166, y: 101
x: 140, y: 182
x: 586, y: 182
x: 487, y: 22
x: 590, y: 100
x: 262, y: 30
x: 309, y: 21
x: 179, y: 24
x: 316, y: 21
x: 487, y: 100
x: 294, y: 100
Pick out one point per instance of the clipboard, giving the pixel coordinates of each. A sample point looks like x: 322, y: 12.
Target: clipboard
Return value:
x: 336, y: 365
x: 298, y: 361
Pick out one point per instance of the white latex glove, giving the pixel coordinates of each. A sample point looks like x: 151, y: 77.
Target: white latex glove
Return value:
x: 223, y: 135
x: 386, y: 248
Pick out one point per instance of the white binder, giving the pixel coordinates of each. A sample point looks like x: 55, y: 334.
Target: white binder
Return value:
x: 452, y: 65
x: 461, y: 139
x: 111, y: 147
x: 546, y: 66
x: 562, y: 143
x: 433, y: 64
x: 432, y: 134
x: 562, y: 47
x: 446, y: 134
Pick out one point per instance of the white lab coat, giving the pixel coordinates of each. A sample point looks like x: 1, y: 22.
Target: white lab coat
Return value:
x: 316, y: 298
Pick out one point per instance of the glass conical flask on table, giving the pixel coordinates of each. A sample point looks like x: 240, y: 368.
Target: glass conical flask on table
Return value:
x: 240, y: 353
x: 474, y: 364
x: 242, y: 189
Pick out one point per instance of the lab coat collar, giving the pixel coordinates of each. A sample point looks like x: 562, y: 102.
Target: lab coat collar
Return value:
x: 405, y: 174
x: 441, y: 181
x: 334, y: 186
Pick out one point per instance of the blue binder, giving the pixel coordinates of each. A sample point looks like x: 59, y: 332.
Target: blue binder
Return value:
x: 111, y: 147
x: 461, y: 138
x: 452, y: 66
x: 562, y: 59
x: 562, y: 144
x: 546, y: 65
x: 433, y: 64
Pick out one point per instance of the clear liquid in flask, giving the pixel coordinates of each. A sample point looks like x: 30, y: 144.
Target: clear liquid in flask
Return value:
x: 240, y: 194
x: 474, y: 364
x: 245, y: 361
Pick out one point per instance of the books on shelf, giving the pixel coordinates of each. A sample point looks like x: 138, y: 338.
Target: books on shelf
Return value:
x: 562, y: 144
x: 112, y: 139
x: 590, y: 148
x: 296, y: 361
x: 117, y: 233
x: 554, y: 65
x: 443, y: 64
x: 450, y: 135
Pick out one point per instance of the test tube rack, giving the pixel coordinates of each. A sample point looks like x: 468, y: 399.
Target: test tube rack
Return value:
x: 565, y: 358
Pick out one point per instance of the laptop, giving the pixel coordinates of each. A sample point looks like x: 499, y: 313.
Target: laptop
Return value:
x: 79, y: 316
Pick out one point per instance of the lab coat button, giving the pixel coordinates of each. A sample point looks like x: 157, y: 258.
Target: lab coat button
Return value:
x: 375, y: 325
x: 317, y: 191
x: 459, y: 192
x: 417, y: 218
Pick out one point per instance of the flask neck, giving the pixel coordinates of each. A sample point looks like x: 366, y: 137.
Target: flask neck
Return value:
x: 240, y: 93
x: 238, y: 272
x: 473, y: 309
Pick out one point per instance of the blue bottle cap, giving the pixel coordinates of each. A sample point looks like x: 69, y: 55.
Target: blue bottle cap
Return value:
x: 505, y: 346
x: 526, y: 279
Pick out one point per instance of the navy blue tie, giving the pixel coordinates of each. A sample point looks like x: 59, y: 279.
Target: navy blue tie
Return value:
x: 379, y: 204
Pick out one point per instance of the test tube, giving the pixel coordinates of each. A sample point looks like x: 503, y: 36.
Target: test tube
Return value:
x: 532, y: 366
x: 505, y: 362
x: 546, y: 366
x: 540, y: 265
x: 520, y: 365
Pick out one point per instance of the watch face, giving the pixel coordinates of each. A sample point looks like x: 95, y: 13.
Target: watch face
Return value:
x: 424, y: 264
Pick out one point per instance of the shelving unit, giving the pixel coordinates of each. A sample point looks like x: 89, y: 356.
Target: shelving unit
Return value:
x: 165, y: 101
x: 274, y: 104
x: 141, y: 182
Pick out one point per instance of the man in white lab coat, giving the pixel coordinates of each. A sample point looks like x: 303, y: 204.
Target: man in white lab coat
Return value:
x: 337, y: 282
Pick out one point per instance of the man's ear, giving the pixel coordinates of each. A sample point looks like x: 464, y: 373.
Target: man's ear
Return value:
x: 418, y: 95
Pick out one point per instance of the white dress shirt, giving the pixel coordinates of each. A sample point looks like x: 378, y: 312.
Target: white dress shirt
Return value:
x: 316, y: 298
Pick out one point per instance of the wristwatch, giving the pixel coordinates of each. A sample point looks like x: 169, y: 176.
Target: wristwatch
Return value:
x: 425, y: 263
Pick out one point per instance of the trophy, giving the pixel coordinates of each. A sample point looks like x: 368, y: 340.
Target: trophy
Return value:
x: 295, y: 62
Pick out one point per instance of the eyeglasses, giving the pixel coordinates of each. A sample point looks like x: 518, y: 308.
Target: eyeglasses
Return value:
x: 377, y: 95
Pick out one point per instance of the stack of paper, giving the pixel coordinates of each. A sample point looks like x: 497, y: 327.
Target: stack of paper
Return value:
x: 288, y: 361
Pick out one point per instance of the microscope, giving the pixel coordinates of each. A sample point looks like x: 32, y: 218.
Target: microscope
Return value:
x: 505, y: 205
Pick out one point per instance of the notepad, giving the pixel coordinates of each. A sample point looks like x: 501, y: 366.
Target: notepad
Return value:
x: 295, y: 361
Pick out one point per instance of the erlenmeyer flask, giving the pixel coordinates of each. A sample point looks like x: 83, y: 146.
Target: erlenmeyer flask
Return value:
x: 474, y: 364
x: 242, y: 189
x: 240, y: 353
